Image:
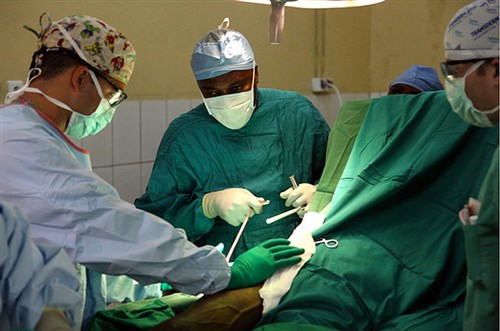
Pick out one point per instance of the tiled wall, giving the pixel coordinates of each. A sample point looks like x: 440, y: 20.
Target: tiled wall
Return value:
x: 124, y: 152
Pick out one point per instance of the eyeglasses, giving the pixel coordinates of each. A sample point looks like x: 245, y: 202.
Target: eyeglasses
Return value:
x: 453, y: 69
x: 118, y: 97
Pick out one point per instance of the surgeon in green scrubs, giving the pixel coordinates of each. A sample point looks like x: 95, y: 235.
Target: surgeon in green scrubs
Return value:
x: 218, y: 164
x: 471, y: 71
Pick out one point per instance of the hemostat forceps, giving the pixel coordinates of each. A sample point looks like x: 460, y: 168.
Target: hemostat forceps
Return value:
x: 330, y: 243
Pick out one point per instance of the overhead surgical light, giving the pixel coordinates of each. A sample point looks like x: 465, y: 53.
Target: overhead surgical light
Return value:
x: 277, y: 16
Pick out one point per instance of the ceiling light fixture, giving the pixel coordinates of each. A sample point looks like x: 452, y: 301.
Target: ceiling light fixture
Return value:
x: 277, y: 15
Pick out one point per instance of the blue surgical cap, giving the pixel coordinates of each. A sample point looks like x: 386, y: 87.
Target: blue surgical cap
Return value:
x: 420, y: 77
x: 219, y: 52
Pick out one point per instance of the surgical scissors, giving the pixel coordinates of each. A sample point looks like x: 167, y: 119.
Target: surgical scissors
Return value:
x: 330, y: 243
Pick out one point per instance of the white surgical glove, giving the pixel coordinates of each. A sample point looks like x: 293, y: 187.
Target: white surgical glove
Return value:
x: 299, y: 197
x: 233, y: 205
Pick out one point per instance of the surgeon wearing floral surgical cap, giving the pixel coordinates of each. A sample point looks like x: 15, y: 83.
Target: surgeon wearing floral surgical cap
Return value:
x: 415, y: 80
x: 219, y: 162
x: 76, y: 80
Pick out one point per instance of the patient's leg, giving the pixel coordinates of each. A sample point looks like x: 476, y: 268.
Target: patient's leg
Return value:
x: 228, y: 310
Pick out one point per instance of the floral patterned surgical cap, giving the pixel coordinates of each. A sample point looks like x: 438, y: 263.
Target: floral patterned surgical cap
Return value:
x: 101, y: 45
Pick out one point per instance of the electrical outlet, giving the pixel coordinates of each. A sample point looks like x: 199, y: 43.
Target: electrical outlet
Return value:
x: 13, y: 85
x: 322, y: 84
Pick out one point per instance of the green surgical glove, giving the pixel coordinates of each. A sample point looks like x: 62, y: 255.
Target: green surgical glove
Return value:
x: 259, y: 263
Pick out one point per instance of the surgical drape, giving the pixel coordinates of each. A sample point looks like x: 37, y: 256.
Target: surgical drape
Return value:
x: 400, y: 262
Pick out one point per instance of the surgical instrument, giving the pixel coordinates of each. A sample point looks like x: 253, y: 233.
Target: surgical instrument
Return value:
x: 330, y: 243
x: 240, y: 231
x: 293, y: 181
x: 282, y: 215
x: 287, y: 213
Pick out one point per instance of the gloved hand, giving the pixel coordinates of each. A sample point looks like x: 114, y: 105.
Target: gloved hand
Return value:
x: 299, y: 197
x: 259, y: 263
x: 233, y: 205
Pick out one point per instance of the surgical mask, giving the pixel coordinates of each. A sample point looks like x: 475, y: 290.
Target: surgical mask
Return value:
x: 232, y: 110
x: 462, y: 105
x: 80, y: 126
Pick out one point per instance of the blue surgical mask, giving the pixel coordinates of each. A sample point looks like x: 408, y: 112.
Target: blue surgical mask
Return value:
x: 462, y: 105
x: 232, y: 110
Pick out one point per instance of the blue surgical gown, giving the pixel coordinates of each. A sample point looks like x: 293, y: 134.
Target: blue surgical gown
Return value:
x: 69, y: 206
x: 285, y: 136
x: 33, y: 276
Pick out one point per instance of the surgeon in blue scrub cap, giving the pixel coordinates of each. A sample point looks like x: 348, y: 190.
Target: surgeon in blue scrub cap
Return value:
x: 218, y: 164
x: 415, y: 80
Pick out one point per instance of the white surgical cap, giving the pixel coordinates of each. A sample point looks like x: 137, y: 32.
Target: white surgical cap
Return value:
x: 473, y: 32
x: 219, y: 52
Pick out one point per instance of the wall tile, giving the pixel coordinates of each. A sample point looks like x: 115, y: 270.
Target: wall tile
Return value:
x: 327, y: 104
x: 176, y: 108
x: 127, y: 181
x: 100, y: 147
x: 146, y: 169
x: 196, y: 102
x: 126, y: 133
x: 153, y: 126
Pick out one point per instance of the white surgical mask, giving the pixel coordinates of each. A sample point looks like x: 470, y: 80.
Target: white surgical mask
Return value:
x: 462, y: 105
x: 232, y: 110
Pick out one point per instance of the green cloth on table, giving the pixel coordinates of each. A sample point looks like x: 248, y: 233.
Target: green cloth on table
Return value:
x: 141, y: 315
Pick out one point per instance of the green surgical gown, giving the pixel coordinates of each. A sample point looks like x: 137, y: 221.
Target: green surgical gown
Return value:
x: 481, y: 242
x: 400, y: 261
x: 285, y: 136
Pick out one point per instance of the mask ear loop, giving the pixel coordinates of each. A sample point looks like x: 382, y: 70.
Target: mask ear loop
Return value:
x: 470, y: 71
x: 11, y: 96
x: 82, y: 56
x: 253, y: 84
